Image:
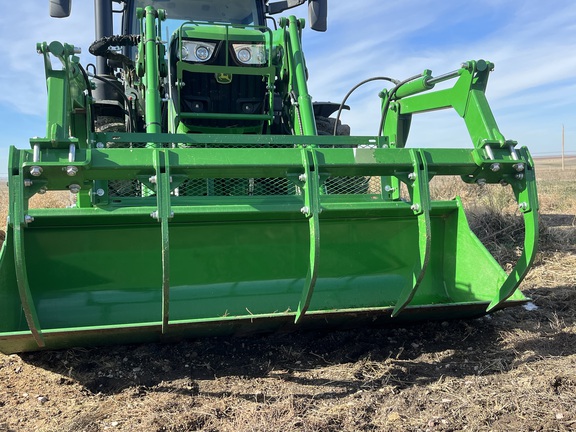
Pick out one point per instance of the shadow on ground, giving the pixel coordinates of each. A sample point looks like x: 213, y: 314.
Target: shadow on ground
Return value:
x: 399, y: 358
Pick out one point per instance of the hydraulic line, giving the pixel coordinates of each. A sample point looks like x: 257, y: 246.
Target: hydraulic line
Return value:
x: 392, y: 80
x: 389, y: 98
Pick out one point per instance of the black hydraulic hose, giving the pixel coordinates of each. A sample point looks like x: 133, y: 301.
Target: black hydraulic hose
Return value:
x: 390, y: 96
x: 89, y: 90
x: 392, y: 80
x: 101, y: 47
x: 132, y: 122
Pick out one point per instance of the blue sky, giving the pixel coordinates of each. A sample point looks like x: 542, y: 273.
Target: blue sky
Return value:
x: 533, y: 45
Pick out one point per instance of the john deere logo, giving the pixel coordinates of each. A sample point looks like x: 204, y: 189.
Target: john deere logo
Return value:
x: 224, y: 78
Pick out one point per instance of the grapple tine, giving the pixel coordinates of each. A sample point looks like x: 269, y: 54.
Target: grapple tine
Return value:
x: 528, y: 204
x: 421, y: 208
x: 311, y: 209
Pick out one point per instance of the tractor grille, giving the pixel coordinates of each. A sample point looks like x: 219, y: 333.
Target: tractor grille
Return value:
x: 203, y: 94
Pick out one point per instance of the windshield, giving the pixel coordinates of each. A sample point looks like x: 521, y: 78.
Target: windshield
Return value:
x: 244, y: 12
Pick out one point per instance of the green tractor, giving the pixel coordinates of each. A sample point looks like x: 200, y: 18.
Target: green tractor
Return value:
x: 213, y: 196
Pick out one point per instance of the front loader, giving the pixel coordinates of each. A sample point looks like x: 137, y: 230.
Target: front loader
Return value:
x: 210, y: 198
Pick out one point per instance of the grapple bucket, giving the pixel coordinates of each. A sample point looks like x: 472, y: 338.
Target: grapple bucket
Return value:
x: 208, y: 233
x: 192, y: 241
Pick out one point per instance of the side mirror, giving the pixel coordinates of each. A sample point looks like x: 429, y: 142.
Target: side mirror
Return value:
x: 60, y: 8
x: 281, y: 6
x: 317, y: 11
x: 318, y: 14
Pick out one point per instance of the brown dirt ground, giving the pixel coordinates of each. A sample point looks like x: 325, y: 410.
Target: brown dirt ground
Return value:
x: 514, y: 370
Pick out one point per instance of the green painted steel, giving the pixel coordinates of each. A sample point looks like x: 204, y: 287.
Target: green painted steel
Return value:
x: 184, y: 229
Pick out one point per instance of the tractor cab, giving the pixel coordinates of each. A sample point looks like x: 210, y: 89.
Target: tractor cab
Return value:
x: 242, y: 12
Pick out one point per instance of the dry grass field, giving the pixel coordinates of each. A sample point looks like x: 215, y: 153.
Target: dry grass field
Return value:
x: 511, y: 371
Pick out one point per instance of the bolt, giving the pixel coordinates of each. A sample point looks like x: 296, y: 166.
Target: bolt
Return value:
x: 28, y: 219
x: 154, y: 215
x: 28, y: 182
x: 481, y: 182
x: 171, y: 214
x: 389, y: 188
x: 100, y: 192
x: 74, y: 188
x: 36, y: 171
x: 518, y: 167
x: 503, y: 183
x: 152, y: 179
x: 42, y: 190
x: 302, y: 177
x: 523, y: 206
x: 99, y: 145
x: 519, y: 176
x: 415, y: 207
x: 71, y: 170
x: 495, y: 167
x: 305, y: 210
x: 412, y: 176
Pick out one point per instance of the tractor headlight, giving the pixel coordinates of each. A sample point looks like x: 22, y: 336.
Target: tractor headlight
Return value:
x: 196, y: 51
x: 250, y: 54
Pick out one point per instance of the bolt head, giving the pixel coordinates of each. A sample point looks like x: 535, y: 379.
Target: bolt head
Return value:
x: 99, y: 145
x: 519, y: 167
x: 100, y: 192
x: 503, y: 183
x: 523, y: 206
x: 412, y: 176
x: 71, y: 170
x: 415, y: 207
x: 42, y: 190
x: 481, y: 182
x: 152, y: 179
x: 495, y: 167
x: 28, y: 219
x: 154, y: 215
x: 305, y: 210
x: 519, y: 176
x: 36, y: 171
x: 74, y: 188
x: 302, y: 177
x: 28, y: 182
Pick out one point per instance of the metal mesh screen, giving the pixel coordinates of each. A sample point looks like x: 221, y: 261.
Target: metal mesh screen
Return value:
x: 347, y: 185
x: 124, y: 188
x: 251, y: 187
x: 236, y: 187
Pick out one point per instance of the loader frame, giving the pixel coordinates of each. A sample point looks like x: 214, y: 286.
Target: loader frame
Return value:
x: 323, y: 276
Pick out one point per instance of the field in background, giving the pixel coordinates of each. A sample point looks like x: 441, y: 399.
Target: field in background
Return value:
x: 514, y: 370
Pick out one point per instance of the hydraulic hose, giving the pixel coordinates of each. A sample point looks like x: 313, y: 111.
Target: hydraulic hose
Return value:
x: 392, y: 80
x: 132, y: 120
x: 390, y: 96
